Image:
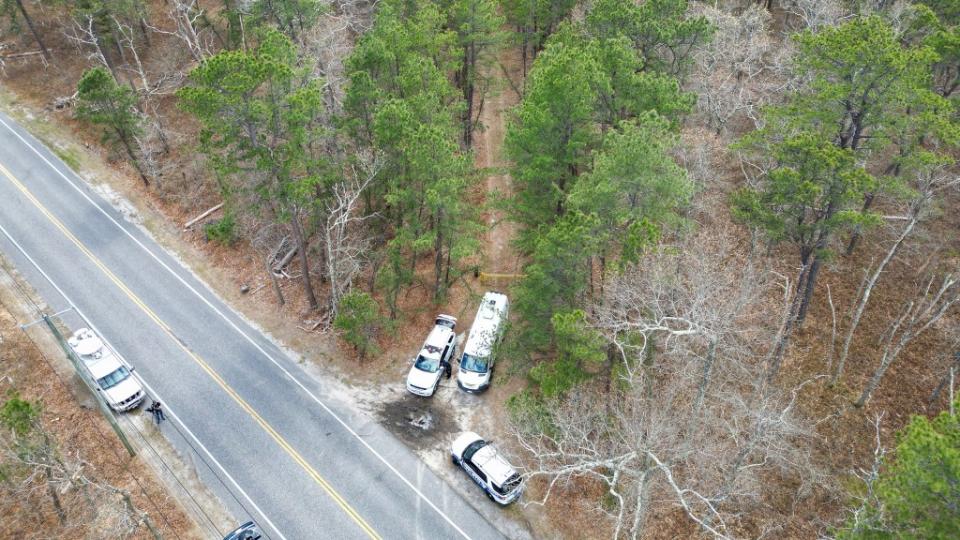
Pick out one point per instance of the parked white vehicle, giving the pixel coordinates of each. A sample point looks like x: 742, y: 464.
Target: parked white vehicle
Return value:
x: 437, y: 352
x: 111, y: 375
x: 479, y: 353
x: 484, y: 464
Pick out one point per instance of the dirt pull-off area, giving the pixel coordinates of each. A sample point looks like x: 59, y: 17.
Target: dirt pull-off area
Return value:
x: 417, y: 421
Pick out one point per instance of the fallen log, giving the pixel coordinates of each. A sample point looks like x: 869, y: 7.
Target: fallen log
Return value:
x: 194, y: 221
x: 282, y: 263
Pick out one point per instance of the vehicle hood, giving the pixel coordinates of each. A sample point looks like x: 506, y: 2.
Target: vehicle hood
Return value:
x: 422, y: 379
x: 472, y: 379
x: 122, y: 390
x: 463, y: 441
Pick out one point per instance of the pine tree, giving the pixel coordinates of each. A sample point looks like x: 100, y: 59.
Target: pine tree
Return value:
x: 358, y: 320
x: 401, y: 102
x: 260, y: 114
x: 103, y: 102
x: 916, y: 496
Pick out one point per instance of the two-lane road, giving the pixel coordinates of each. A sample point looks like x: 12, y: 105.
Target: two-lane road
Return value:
x: 297, y: 460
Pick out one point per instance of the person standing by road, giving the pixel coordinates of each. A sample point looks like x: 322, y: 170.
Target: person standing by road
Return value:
x: 447, y: 370
x: 157, y: 409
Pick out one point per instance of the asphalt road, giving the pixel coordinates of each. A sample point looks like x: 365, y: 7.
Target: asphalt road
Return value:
x: 287, y: 452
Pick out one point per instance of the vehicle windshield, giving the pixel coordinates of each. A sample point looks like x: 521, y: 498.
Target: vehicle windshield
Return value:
x: 511, y: 484
x: 113, y: 379
x: 430, y: 365
x: 473, y: 363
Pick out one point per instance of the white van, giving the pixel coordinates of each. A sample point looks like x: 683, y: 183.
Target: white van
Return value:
x: 111, y: 375
x: 437, y: 352
x: 476, y: 364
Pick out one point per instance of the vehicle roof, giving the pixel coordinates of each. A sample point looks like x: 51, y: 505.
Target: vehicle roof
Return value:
x: 436, y: 341
x: 104, y: 365
x: 489, y: 318
x: 86, y: 344
x: 493, y: 465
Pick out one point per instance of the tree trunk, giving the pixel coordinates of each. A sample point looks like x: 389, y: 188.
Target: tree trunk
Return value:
x: 865, y: 297
x: 297, y: 230
x: 874, y: 382
x: 523, y: 54
x: 468, y: 75
x: 276, y: 284
x: 124, y: 139
x: 808, y: 289
x: 55, y: 498
x: 33, y: 30
x: 885, y: 360
x: 705, y: 379
x: 144, y: 31
x: 331, y: 270
x: 640, y: 506
x: 438, y: 257
x: 855, y: 238
x: 947, y: 379
x: 783, y: 339
x: 161, y: 131
x: 134, y: 513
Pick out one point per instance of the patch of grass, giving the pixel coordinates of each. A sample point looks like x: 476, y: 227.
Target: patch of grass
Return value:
x: 66, y: 155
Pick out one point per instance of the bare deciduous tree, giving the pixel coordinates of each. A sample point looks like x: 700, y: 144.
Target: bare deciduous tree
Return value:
x: 928, y: 185
x: 930, y: 305
x: 736, y: 72
x: 814, y: 14
x: 691, y: 421
x: 185, y: 15
x: 344, y: 245
x: 84, y: 36
x: 641, y: 448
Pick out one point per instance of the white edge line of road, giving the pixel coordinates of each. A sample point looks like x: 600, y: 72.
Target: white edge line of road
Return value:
x: 140, y: 379
x: 240, y: 331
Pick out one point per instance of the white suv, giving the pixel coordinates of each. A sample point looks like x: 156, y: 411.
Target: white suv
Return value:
x: 434, y: 357
x: 487, y: 467
x: 112, y: 376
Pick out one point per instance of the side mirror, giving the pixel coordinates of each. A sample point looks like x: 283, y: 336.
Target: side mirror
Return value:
x: 132, y: 369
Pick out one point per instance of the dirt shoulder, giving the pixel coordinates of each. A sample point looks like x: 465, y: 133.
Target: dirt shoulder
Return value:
x: 161, y: 485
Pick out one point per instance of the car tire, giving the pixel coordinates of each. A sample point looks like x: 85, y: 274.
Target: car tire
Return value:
x: 454, y: 460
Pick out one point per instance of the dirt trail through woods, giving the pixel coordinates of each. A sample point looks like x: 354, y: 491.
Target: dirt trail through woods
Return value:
x: 501, y: 258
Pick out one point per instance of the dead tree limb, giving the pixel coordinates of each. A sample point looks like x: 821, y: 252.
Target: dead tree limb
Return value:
x: 206, y: 213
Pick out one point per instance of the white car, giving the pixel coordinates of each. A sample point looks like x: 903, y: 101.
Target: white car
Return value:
x: 479, y: 353
x: 112, y: 376
x: 487, y: 468
x: 434, y: 357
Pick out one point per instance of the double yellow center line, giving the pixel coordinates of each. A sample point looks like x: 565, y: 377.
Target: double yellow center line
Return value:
x: 337, y: 498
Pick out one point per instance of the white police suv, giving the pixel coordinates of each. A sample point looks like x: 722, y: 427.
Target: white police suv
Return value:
x: 486, y: 466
